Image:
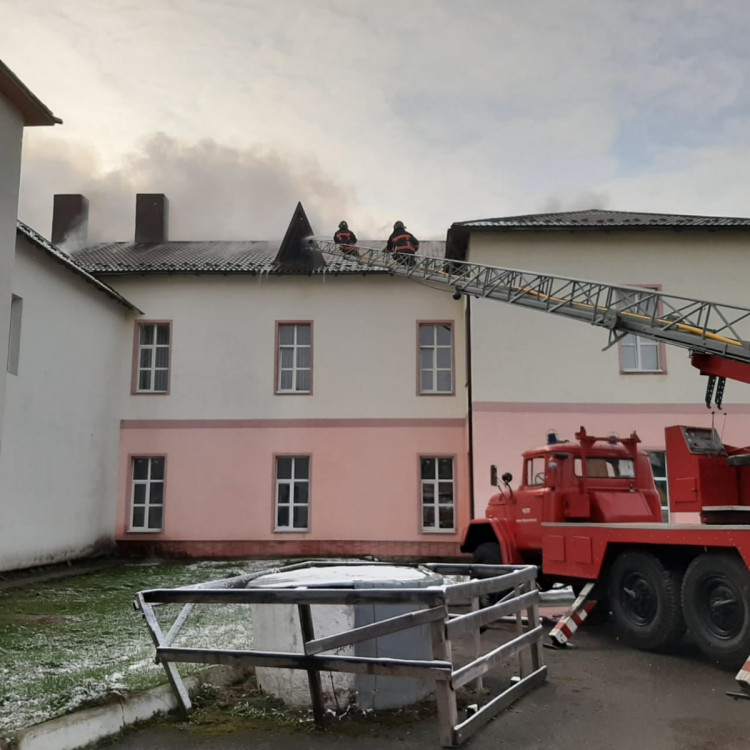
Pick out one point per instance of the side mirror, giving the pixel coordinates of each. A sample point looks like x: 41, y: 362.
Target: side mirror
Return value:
x: 507, y: 477
x: 493, y: 475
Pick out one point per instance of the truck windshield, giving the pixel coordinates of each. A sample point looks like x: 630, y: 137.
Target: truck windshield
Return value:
x: 605, y: 468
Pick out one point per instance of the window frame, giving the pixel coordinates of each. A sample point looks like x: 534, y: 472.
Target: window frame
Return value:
x: 450, y: 324
x: 131, y: 529
x: 435, y: 504
x: 661, y: 349
x: 291, y: 529
x: 278, y: 391
x: 661, y: 481
x: 14, y: 334
x: 136, y: 371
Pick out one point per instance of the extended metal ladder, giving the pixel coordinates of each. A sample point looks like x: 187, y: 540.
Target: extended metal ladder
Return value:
x: 703, y: 327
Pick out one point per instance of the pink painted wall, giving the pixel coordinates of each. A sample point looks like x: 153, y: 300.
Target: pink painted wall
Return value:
x: 220, y: 480
x: 502, y: 431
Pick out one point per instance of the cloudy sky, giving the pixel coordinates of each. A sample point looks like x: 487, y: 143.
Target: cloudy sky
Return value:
x: 429, y: 111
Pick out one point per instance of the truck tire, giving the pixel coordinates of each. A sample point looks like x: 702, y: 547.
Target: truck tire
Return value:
x: 644, y: 599
x: 488, y: 553
x: 716, y: 602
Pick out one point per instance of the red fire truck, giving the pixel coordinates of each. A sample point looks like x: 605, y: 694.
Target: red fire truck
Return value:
x: 587, y: 509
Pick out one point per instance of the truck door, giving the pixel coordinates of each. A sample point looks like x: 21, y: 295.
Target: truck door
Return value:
x: 530, y: 503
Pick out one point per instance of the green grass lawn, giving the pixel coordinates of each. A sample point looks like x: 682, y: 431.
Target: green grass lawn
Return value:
x: 75, y: 642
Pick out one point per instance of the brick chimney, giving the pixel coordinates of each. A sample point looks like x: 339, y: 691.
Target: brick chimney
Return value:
x: 151, y: 217
x: 70, y: 214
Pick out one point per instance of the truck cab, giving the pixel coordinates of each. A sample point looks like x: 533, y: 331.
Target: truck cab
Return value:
x: 587, y: 480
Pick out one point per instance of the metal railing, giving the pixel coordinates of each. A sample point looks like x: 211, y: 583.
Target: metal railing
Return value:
x: 432, y: 606
x: 698, y: 325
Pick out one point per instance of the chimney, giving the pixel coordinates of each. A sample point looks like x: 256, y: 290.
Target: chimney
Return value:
x: 70, y: 214
x: 151, y: 217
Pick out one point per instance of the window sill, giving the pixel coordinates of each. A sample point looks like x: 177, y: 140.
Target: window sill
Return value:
x: 438, y: 531
x: 145, y: 531
x: 291, y: 531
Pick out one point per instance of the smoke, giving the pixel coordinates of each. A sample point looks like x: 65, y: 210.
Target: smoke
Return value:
x: 578, y: 201
x: 215, y: 192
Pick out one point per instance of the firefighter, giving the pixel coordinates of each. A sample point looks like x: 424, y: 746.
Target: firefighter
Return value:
x: 402, y: 243
x: 346, y: 240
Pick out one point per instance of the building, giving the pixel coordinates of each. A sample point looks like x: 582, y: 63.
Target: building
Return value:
x: 19, y: 108
x: 278, y: 408
x: 532, y: 373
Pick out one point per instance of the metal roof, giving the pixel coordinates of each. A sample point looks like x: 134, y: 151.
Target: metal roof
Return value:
x: 33, y: 110
x: 596, y: 218
x: 220, y: 257
x: 64, y: 259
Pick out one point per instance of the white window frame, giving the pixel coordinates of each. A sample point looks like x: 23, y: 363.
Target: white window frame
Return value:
x: 14, y: 336
x: 430, y: 498
x: 638, y: 346
x: 155, y: 348
x: 292, y: 502
x: 150, y: 483
x: 432, y: 351
x: 297, y: 351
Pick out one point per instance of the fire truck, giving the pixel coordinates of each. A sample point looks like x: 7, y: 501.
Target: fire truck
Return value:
x: 586, y: 510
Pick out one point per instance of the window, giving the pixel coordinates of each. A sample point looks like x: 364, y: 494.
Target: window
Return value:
x: 658, y: 461
x: 294, y: 362
x: 147, y: 494
x: 605, y: 468
x: 153, y: 357
x: 638, y: 354
x: 535, y: 472
x: 435, y: 358
x: 292, y: 493
x: 14, y: 340
x: 438, y: 494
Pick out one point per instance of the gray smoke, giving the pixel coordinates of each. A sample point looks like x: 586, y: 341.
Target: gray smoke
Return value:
x: 576, y: 201
x: 215, y: 192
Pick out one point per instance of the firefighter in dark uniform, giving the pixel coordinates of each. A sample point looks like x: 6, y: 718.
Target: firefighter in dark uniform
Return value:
x: 346, y: 240
x: 402, y: 243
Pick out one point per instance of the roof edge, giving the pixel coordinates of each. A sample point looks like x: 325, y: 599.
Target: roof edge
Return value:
x: 36, y: 239
x: 34, y: 111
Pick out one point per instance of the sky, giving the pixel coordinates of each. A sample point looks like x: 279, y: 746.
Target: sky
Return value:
x: 426, y: 111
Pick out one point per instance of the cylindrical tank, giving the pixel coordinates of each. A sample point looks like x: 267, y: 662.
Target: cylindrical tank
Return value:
x: 276, y: 627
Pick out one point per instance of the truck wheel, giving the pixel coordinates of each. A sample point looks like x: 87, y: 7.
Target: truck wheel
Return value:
x: 644, y: 598
x: 716, y: 601
x: 488, y: 553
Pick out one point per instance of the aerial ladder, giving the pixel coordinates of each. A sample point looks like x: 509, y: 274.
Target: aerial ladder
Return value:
x: 716, y: 335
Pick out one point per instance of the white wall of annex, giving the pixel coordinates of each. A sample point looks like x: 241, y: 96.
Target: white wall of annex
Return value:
x: 527, y: 356
x: 58, y: 467
x: 11, y: 134
x: 223, y: 353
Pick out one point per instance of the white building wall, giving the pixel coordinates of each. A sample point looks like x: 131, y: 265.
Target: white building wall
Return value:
x: 11, y: 133
x: 223, y: 346
x: 527, y: 356
x: 58, y: 467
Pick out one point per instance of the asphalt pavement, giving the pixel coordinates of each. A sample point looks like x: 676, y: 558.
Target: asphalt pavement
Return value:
x: 599, y: 695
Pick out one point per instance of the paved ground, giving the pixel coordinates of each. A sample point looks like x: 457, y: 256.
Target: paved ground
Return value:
x: 598, y: 695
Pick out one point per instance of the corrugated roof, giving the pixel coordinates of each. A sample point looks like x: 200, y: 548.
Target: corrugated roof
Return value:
x: 64, y: 259
x: 229, y: 257
x: 600, y: 219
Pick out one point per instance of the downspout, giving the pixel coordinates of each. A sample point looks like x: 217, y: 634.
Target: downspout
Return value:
x: 470, y: 412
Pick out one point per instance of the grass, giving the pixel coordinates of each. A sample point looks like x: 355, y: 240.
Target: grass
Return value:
x: 77, y: 642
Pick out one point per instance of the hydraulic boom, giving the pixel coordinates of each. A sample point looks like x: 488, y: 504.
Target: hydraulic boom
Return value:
x: 717, y: 335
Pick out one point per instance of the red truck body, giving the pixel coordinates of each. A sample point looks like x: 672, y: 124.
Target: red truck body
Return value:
x: 588, y: 510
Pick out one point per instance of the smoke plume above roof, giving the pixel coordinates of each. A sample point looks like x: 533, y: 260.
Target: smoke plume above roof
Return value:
x: 215, y: 191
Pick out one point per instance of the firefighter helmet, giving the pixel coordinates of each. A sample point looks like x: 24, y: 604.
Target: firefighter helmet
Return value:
x: 399, y: 225
x: 343, y: 225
